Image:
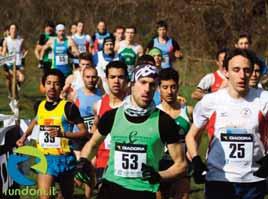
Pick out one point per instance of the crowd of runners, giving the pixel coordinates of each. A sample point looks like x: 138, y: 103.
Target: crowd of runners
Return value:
x: 112, y: 119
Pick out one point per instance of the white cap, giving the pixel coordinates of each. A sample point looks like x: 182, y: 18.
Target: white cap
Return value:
x: 60, y: 27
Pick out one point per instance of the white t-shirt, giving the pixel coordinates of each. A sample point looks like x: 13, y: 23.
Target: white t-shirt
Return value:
x: 236, y: 141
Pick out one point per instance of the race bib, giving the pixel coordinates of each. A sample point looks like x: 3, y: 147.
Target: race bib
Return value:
x: 82, y: 48
x: 128, y: 159
x: 237, y: 145
x: 88, y: 121
x: 165, y: 59
x: 45, y: 140
x: 61, y: 59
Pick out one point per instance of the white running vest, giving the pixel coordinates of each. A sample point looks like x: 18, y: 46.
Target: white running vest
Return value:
x: 237, y: 141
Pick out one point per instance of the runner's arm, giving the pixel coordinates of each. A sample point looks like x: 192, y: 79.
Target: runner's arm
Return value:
x: 177, y: 153
x: 28, y: 132
x: 74, y: 49
x: 198, y: 94
x: 192, y: 140
x: 44, y: 48
x: 4, y: 51
x: 91, y: 147
x: 37, y: 51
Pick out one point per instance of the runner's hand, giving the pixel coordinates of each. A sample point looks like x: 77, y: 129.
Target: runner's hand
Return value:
x: 262, y: 172
x: 41, y: 64
x: 200, y: 169
x: 55, y: 132
x: 148, y: 173
x: 84, y: 171
x: 20, y: 142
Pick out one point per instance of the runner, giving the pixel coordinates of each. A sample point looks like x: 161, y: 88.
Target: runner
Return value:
x: 258, y: 71
x: 237, y: 121
x: 128, y: 49
x: 243, y: 41
x: 137, y: 143
x: 83, y: 41
x: 182, y: 114
x: 54, y: 120
x: 84, y: 99
x: 99, y: 37
x: 102, y: 58
x: 43, y: 38
x: 75, y: 81
x: 73, y: 29
x: 212, y: 81
x: 14, y: 44
x: 157, y: 55
x: 169, y: 47
x: 119, y: 34
x: 116, y: 74
x: 61, y: 47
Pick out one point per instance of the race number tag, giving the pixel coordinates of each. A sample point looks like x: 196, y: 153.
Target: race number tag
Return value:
x: 82, y: 48
x: 45, y: 140
x: 61, y: 59
x: 238, y: 149
x: 88, y: 121
x: 128, y: 159
x: 18, y: 59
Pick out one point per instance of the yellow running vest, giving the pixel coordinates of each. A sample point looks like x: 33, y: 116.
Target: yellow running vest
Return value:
x: 57, y: 119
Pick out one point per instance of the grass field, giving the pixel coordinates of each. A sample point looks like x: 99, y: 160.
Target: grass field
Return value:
x: 190, y: 74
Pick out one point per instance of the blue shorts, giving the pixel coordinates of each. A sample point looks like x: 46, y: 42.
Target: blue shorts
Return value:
x: 233, y: 190
x: 60, y: 164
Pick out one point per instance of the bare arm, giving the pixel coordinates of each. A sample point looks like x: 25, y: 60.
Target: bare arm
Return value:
x: 37, y: 51
x: 44, y: 48
x: 91, y: 147
x: 192, y: 140
x: 177, y: 154
x: 198, y: 94
x: 4, y: 51
x: 21, y: 141
x: 74, y: 49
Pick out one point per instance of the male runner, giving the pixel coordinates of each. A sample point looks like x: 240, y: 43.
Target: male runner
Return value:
x: 138, y: 136
x: 103, y: 57
x: 236, y: 117
x: 75, y: 81
x: 83, y: 41
x: 54, y: 120
x: 157, y: 55
x: 14, y: 45
x: 169, y: 47
x: 243, y: 41
x: 43, y: 38
x: 99, y: 36
x: 212, y: 81
x: 73, y: 29
x: 258, y: 71
x: 61, y: 47
x: 128, y: 49
x: 84, y: 99
x: 182, y: 114
x: 119, y: 34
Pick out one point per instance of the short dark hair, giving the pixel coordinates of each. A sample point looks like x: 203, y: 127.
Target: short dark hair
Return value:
x: 235, y: 52
x: 119, y: 27
x: 244, y: 35
x: 49, y: 23
x: 116, y: 64
x: 85, y: 56
x: 131, y: 27
x: 145, y: 59
x: 168, y: 74
x: 161, y: 23
x: 220, y: 51
x: 54, y: 72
